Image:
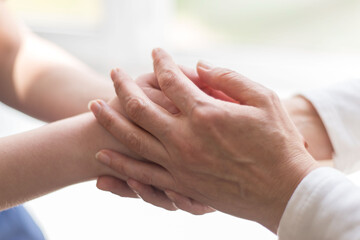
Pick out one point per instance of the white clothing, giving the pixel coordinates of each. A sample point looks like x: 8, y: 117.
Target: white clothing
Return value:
x: 326, y: 205
x: 339, y: 109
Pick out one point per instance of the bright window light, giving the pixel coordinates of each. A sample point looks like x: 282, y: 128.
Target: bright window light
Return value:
x: 325, y: 25
x: 68, y: 13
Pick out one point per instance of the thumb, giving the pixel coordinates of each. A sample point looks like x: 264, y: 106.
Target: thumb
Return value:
x: 232, y: 84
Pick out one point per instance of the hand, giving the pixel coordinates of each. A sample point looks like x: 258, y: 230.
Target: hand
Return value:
x: 135, y: 189
x: 301, y: 111
x: 244, y: 158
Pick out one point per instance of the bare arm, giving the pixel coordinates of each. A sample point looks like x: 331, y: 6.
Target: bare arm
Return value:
x: 301, y: 111
x: 249, y: 171
x: 40, y: 79
x: 46, y: 159
x: 309, y: 123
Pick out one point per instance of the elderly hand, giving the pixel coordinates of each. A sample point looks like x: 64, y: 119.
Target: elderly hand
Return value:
x: 244, y: 158
x: 134, y: 189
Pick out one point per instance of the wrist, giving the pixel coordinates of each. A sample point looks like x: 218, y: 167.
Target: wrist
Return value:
x: 310, y: 125
x: 92, y: 139
x: 301, y: 166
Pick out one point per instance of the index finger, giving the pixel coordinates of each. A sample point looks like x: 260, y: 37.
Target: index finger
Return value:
x: 176, y: 86
x: 138, y: 107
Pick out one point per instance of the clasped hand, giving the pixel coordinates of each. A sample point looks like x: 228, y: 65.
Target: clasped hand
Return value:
x: 228, y: 142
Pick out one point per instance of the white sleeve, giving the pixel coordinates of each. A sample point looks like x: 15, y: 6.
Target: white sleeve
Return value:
x: 339, y: 109
x: 325, y: 206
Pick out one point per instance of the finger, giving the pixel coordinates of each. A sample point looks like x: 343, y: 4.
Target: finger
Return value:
x: 151, y: 195
x: 158, y: 97
x: 138, y: 107
x: 187, y: 204
x: 148, y: 80
x: 233, y: 84
x: 133, y: 137
x: 220, y: 95
x: 176, y: 86
x: 149, y: 84
x: 194, y: 77
x: 115, y: 186
x: 144, y: 172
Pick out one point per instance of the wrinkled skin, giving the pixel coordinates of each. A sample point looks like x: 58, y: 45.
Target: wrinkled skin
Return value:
x: 242, y: 157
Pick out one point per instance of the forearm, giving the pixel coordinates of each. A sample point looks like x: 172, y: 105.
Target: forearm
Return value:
x: 41, y: 79
x: 10, y: 42
x: 46, y: 159
x: 55, y: 85
x: 308, y: 122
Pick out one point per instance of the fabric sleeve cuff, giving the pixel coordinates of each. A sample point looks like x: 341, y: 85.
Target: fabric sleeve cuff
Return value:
x: 344, y: 158
x: 315, y: 210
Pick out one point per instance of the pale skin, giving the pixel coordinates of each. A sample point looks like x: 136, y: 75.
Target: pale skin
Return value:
x: 49, y: 84
x: 310, y: 125
x: 301, y: 111
x: 244, y: 158
x: 40, y: 79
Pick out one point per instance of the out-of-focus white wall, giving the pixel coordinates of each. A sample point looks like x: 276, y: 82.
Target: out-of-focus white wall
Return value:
x: 124, y: 37
x: 113, y: 33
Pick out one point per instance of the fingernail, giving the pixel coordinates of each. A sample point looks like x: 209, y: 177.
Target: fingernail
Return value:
x: 115, y: 73
x: 94, y: 106
x: 205, y: 65
x: 104, y: 158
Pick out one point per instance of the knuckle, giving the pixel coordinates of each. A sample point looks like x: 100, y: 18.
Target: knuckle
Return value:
x: 199, y: 112
x: 271, y: 97
x: 167, y: 78
x: 135, y: 143
x: 171, y: 134
x: 145, y: 178
x: 227, y: 75
x: 134, y: 108
x: 108, y: 120
x: 275, y: 98
x: 203, y: 114
x: 119, y: 167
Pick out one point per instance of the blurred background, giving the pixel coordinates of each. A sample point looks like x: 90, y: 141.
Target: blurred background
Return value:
x: 274, y: 42
x: 289, y: 46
